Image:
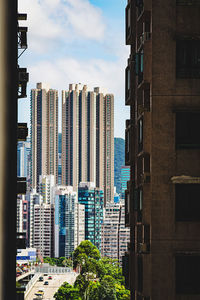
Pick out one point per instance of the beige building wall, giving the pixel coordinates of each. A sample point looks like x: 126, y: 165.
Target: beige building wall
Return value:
x: 109, y: 148
x: 100, y: 143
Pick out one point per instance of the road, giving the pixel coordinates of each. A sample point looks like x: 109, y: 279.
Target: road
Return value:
x: 54, y: 284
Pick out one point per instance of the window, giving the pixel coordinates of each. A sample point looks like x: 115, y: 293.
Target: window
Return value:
x: 140, y: 135
x: 188, y: 59
x: 139, y: 65
x: 187, y: 268
x: 140, y: 273
x: 187, y: 130
x: 187, y: 205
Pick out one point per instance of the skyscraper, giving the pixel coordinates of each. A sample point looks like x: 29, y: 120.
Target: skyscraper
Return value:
x: 43, y: 235
x: 46, y: 186
x: 88, y: 138
x: 44, y: 133
x: 23, y: 158
x: 125, y: 177
x: 114, y: 231
x: 93, y: 200
x: 163, y: 149
x: 69, y: 221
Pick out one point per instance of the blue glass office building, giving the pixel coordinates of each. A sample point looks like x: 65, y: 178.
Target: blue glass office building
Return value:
x: 93, y: 200
x: 125, y: 176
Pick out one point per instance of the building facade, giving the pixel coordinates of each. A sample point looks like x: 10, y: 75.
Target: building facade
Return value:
x: 125, y: 177
x: 88, y: 138
x: 69, y: 221
x: 163, y: 149
x: 43, y: 235
x: 44, y: 133
x: 46, y: 188
x: 22, y: 224
x: 33, y: 198
x: 23, y: 159
x: 115, y: 236
x: 93, y: 200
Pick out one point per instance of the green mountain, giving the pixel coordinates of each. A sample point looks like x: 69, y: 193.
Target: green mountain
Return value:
x: 119, y: 161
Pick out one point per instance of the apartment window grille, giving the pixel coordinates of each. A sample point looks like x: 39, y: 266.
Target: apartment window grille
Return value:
x: 188, y: 59
x: 187, y: 274
x: 187, y: 130
x: 187, y: 206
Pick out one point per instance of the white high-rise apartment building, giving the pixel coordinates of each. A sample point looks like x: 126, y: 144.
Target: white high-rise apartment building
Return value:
x: 33, y: 198
x: 110, y: 228
x: 46, y: 188
x: 88, y: 138
x: 44, y: 133
x: 69, y: 221
x: 43, y: 236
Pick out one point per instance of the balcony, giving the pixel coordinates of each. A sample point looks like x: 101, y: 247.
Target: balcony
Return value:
x: 143, y: 29
x: 143, y: 169
x: 21, y: 185
x: 129, y: 143
x: 143, y: 238
x: 130, y: 23
x: 140, y: 7
x: 130, y: 82
x: 22, y: 131
x: 143, y: 100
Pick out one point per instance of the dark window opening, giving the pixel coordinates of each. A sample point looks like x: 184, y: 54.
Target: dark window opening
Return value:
x: 140, y: 273
x: 188, y: 59
x: 187, y: 202
x: 140, y: 135
x: 139, y: 65
x: 187, y: 130
x: 187, y: 274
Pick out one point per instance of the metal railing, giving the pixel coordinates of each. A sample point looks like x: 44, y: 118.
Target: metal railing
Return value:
x: 52, y: 270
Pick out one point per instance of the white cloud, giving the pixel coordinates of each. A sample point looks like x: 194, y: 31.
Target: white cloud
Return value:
x: 50, y: 22
x: 93, y: 72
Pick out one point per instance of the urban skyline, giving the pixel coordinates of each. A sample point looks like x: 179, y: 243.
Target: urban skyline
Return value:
x: 87, y: 55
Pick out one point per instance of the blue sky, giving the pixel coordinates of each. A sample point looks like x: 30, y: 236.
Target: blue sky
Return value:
x: 71, y: 41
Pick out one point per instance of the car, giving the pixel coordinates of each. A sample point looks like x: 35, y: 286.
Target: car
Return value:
x: 41, y: 278
x: 46, y: 283
x: 50, y: 277
x: 41, y: 291
x: 45, y: 274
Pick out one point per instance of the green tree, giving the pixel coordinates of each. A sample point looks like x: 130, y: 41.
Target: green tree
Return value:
x: 93, y: 290
x: 67, y: 292
x: 107, y: 289
x: 82, y: 284
x: 85, y: 249
x: 121, y: 292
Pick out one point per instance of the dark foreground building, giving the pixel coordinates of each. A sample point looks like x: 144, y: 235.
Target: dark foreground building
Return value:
x: 163, y: 149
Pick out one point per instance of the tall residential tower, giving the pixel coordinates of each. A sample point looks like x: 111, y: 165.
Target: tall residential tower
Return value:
x: 44, y: 133
x: 88, y: 138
